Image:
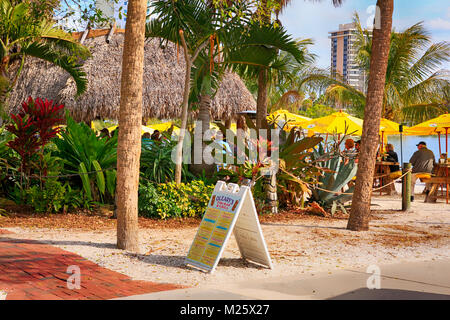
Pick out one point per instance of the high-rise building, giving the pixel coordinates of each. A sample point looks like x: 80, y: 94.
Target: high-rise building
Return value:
x: 343, y: 57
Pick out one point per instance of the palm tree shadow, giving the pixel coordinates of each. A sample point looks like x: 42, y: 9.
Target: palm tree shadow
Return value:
x: 389, y: 294
x: 301, y: 225
x: 176, y: 261
x: 102, y: 245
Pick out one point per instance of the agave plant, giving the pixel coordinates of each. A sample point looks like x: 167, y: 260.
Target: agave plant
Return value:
x: 89, y: 156
x: 337, y: 173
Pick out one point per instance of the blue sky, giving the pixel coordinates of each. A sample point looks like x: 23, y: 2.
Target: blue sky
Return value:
x: 312, y: 19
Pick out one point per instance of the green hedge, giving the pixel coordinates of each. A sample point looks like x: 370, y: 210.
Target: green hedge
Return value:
x: 168, y: 200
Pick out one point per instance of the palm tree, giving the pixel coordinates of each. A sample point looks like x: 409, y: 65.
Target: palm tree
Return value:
x: 265, y: 12
x: 24, y: 34
x: 245, y: 49
x: 194, y: 25
x: 265, y: 9
x: 360, y: 211
x: 414, y: 90
x: 130, y: 119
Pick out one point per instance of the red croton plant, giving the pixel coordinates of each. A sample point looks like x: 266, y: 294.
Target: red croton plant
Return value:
x: 33, y: 127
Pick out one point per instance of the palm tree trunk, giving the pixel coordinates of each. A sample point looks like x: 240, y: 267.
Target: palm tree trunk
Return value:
x: 130, y: 117
x: 184, y: 112
x: 204, y: 117
x: 204, y: 110
x: 261, y: 101
x: 360, y: 212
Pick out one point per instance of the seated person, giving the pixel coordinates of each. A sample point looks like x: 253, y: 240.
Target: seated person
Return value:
x: 156, y: 135
x: 104, y: 133
x: 146, y: 139
x: 422, y: 161
x: 349, y: 145
x: 349, y: 151
x: 391, y: 156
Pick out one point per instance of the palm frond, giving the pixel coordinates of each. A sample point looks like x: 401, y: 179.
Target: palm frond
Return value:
x: 246, y: 51
x: 434, y: 56
x: 417, y: 113
x: 44, y: 51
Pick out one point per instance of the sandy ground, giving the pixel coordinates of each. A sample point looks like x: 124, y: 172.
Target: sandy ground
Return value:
x: 300, y: 245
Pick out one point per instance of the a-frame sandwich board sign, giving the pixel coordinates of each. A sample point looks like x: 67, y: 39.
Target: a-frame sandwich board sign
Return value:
x: 231, y: 208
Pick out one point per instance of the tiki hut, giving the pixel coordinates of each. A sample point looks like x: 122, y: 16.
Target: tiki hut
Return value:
x: 163, y: 84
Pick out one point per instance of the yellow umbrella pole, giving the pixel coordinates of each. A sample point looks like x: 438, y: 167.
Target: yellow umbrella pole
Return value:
x: 446, y: 140
x: 439, y: 139
x: 400, y: 129
x: 446, y: 169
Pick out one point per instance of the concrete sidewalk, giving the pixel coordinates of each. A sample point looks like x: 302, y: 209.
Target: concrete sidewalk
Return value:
x: 416, y: 280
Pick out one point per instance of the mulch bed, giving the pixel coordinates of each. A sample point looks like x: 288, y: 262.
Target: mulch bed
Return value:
x: 24, y: 217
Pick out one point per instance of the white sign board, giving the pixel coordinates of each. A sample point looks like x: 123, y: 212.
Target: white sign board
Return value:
x: 231, y: 208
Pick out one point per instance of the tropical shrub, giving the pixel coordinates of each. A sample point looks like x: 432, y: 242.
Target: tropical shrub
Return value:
x: 156, y: 161
x: 296, y: 168
x: 169, y: 200
x: 90, y: 157
x: 48, y: 199
x: 8, y: 157
x: 33, y: 128
x: 54, y: 196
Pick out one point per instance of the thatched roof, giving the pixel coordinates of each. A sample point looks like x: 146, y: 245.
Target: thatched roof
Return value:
x: 163, y: 84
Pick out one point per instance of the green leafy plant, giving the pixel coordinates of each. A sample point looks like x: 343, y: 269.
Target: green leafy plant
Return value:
x: 297, y: 170
x: 168, y: 200
x: 48, y: 199
x: 338, y: 171
x: 89, y: 156
x: 74, y: 199
x: 33, y: 127
x: 156, y: 162
x: 8, y: 157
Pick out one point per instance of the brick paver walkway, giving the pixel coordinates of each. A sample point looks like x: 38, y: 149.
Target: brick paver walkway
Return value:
x: 30, y: 270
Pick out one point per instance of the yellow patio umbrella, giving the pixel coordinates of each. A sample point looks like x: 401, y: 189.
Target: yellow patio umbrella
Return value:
x: 98, y: 125
x: 437, y: 126
x: 232, y: 127
x: 338, y: 123
x: 161, y: 127
x: 388, y: 127
x: 287, y: 116
x: 143, y: 128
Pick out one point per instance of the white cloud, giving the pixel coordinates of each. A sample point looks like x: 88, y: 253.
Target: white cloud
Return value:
x: 439, y: 24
